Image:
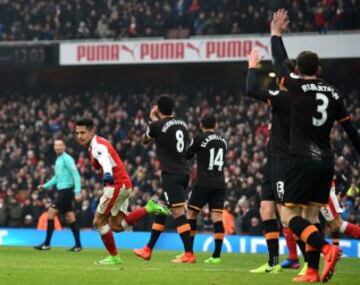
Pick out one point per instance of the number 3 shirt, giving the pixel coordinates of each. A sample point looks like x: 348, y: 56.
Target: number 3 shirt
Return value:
x: 171, y: 140
x: 210, y: 150
x: 315, y: 105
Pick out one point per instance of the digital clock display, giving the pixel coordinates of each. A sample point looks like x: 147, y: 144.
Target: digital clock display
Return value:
x: 28, y: 55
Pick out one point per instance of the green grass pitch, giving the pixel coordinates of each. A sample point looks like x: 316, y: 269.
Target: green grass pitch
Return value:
x: 25, y: 266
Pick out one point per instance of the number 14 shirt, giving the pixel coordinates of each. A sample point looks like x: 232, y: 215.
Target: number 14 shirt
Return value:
x: 210, y: 150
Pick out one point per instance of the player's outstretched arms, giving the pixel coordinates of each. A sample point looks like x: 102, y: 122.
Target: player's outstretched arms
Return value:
x: 352, y: 133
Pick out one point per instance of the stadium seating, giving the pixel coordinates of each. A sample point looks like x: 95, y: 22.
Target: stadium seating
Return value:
x: 66, y: 19
x: 27, y: 156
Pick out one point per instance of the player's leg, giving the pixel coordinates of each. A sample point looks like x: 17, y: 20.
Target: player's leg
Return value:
x: 191, y: 215
x: 124, y: 220
x: 157, y: 228
x: 292, y: 262
x: 311, y: 214
x: 158, y: 224
x: 199, y: 197
x: 52, y: 213
x: 271, y: 233
x: 70, y: 219
x: 174, y: 191
x: 107, y: 237
x: 315, y: 174
x: 331, y: 213
x: 219, y: 234
x: 183, y: 229
x: 216, y: 200
x: 103, y: 212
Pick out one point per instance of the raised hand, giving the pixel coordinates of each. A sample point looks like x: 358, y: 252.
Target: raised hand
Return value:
x: 279, y: 23
x: 154, y: 113
x: 253, y: 58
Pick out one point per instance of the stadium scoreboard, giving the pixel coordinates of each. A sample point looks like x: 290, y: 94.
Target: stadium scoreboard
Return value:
x: 25, y: 55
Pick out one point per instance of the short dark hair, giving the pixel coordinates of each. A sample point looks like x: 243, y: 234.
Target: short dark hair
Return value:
x: 308, y: 63
x: 208, y: 121
x: 88, y: 123
x: 165, y: 104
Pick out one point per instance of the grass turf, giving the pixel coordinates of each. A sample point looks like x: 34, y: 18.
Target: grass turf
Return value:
x: 20, y: 265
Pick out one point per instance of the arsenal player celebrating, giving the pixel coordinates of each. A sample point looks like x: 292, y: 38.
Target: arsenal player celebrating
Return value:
x: 111, y: 213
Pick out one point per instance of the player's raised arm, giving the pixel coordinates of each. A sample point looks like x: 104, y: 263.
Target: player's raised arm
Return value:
x: 279, y: 24
x: 252, y: 85
x: 149, y: 134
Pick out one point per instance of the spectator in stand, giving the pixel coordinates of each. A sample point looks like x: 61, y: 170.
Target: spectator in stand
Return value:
x: 61, y: 20
x: 26, y: 146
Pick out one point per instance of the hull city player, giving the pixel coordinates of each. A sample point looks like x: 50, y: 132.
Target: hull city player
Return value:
x: 332, y: 215
x: 111, y: 213
x: 315, y: 106
x: 210, y: 150
x: 171, y: 139
x: 277, y: 164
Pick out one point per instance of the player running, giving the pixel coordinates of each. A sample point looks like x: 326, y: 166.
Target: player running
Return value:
x: 210, y: 149
x: 272, y: 190
x: 111, y: 213
x: 171, y: 139
x: 66, y: 180
x: 315, y: 105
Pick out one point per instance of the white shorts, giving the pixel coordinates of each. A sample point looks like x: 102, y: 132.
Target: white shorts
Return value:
x: 332, y: 210
x: 114, y: 200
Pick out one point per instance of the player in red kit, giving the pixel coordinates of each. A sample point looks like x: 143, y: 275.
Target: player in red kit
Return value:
x: 111, y: 213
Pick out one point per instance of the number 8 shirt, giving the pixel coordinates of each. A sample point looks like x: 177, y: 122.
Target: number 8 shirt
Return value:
x: 171, y: 139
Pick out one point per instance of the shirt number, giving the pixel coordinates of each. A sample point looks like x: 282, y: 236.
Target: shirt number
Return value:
x: 180, y: 144
x: 216, y: 160
x: 321, y: 108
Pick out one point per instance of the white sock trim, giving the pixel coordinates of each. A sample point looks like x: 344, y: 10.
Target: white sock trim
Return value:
x: 343, y: 227
x: 104, y: 229
x: 125, y: 225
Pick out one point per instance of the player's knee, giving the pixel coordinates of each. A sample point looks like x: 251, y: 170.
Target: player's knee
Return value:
x: 115, y: 227
x: 178, y: 211
x: 191, y: 214
x: 335, y: 225
x: 267, y: 212
x: 70, y: 218
x: 98, y: 223
x: 216, y: 216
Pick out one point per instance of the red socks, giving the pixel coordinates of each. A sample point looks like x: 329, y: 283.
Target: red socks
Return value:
x: 352, y: 230
x: 135, y: 216
x: 109, y: 242
x: 290, y: 242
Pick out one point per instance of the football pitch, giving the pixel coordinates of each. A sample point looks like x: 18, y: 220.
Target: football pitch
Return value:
x: 25, y: 266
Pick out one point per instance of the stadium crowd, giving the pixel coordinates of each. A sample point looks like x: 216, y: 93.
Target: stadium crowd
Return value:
x: 27, y: 156
x: 116, y: 19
